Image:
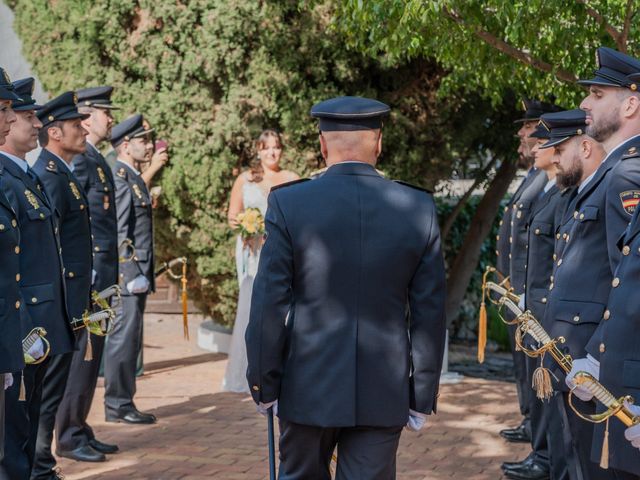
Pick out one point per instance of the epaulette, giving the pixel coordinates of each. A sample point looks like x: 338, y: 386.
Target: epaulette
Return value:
x: 288, y: 184
x: 631, y: 152
x: 414, y: 186
x: 121, y: 172
x: 51, y: 166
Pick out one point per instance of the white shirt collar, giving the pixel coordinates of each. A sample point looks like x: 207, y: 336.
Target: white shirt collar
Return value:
x: 133, y: 169
x: 549, y: 185
x: 70, y: 167
x: 18, y: 161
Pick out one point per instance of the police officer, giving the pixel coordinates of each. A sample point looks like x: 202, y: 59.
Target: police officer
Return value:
x: 41, y: 281
x: 613, y: 110
x: 61, y: 137
x: 541, y: 226
x: 11, y: 304
x: 133, y: 206
x: 582, y: 274
x: 356, y: 306
x: 74, y: 437
x: 511, y: 250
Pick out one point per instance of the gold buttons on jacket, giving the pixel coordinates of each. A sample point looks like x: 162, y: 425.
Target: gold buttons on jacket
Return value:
x: 564, y: 236
x: 41, y: 215
x: 14, y: 224
x: 551, y: 286
x: 582, y: 216
x: 555, y: 257
x: 615, y: 282
x: 560, y: 262
x: 256, y: 388
x: 97, y: 249
x: 537, y: 231
x: 510, y: 239
x: 607, y: 315
x: 18, y: 304
x: 497, y: 238
x: 557, y: 236
x: 626, y: 250
x: 602, y: 348
x: 576, y: 318
x: 544, y: 300
x: 71, y: 274
x: 17, y: 277
x: 2, y: 227
x: 34, y: 300
x: 519, y: 214
x: 17, y: 250
x: 575, y: 214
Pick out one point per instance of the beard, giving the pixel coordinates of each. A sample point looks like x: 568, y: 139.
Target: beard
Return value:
x: 602, y: 129
x: 570, y: 177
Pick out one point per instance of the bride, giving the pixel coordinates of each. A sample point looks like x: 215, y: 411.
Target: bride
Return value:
x: 250, y: 190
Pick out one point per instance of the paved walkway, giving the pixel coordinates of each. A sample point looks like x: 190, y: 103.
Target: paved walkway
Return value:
x: 203, y: 433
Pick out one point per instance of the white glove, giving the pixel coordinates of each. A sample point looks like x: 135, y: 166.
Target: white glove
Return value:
x: 263, y: 407
x: 37, y: 349
x: 8, y: 380
x: 93, y: 276
x: 521, y: 302
x: 589, y: 365
x: 416, y: 421
x: 140, y: 284
x: 633, y: 433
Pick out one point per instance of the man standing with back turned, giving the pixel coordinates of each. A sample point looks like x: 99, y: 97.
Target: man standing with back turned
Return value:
x: 347, y: 325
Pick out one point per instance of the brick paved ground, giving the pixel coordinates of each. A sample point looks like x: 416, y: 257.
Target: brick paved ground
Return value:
x: 203, y: 433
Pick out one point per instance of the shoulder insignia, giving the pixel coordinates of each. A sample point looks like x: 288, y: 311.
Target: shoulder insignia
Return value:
x: 288, y: 184
x: 51, y: 166
x: 137, y: 191
x: 413, y: 186
x: 103, y: 177
x: 121, y: 172
x: 74, y: 190
x: 630, y: 200
x: 31, y: 198
x: 631, y: 152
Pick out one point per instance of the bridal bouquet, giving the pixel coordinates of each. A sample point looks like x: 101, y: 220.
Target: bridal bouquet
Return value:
x: 250, y: 223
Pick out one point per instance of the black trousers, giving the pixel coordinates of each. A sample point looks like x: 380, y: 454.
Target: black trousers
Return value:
x: 72, y: 429
x: 2, y: 419
x: 21, y: 422
x: 523, y: 384
x: 363, y: 452
x: 53, y: 387
x: 539, y: 416
x: 121, y: 353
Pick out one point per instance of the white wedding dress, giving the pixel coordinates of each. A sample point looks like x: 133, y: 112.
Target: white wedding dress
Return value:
x: 247, y: 259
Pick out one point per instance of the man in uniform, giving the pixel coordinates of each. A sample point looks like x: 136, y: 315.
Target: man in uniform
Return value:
x: 613, y: 117
x: 74, y: 437
x: 357, y: 258
x: 511, y: 249
x: 11, y: 358
x: 133, y: 207
x: 541, y: 227
x: 62, y: 137
x: 41, y: 281
x: 581, y: 275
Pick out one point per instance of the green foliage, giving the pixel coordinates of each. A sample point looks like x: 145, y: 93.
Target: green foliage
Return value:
x: 210, y: 75
x: 477, y: 41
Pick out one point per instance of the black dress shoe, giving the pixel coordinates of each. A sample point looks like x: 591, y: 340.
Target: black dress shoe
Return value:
x: 509, y: 465
x: 132, y: 416
x: 85, y: 453
x: 103, y: 447
x: 532, y: 471
x: 516, y: 435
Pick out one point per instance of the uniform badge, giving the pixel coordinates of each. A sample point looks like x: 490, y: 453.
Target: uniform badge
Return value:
x: 31, y: 198
x: 103, y: 177
x: 105, y: 202
x: 121, y: 173
x: 137, y: 191
x: 630, y: 200
x: 51, y: 166
x: 74, y: 190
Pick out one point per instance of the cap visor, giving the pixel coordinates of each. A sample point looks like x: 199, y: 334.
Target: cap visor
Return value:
x: 26, y: 108
x: 73, y: 116
x: 6, y: 94
x: 597, y: 81
x: 105, y: 106
x: 555, y: 141
x: 523, y: 120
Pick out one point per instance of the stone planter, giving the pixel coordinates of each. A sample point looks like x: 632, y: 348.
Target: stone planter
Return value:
x: 213, y: 337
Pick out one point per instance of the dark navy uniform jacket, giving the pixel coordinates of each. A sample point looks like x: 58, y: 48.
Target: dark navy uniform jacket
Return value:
x: 348, y: 301
x: 95, y: 177
x: 617, y: 341
x: 518, y: 233
x: 135, y: 222
x: 41, y: 280
x: 541, y: 229
x: 583, y: 273
x: 503, y: 243
x: 14, y: 321
x: 70, y: 201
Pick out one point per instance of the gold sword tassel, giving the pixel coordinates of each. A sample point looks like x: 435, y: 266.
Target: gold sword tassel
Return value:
x: 183, y: 281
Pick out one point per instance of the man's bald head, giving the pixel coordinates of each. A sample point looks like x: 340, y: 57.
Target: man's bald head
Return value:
x: 359, y: 145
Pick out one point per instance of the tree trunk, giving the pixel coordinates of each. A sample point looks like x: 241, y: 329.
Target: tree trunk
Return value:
x: 469, y: 254
x: 451, y: 219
